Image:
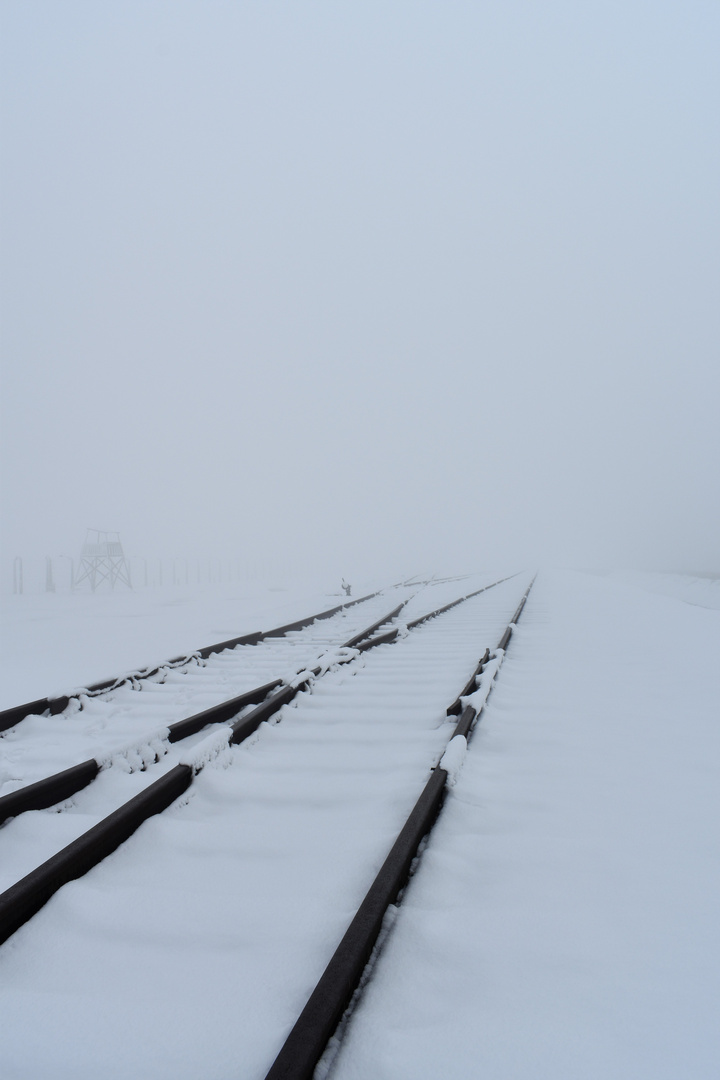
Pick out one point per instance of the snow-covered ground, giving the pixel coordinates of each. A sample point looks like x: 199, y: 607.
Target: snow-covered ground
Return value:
x: 52, y: 642
x: 225, y: 907
x: 562, y: 922
x: 114, y: 722
x: 703, y: 591
x: 126, y: 728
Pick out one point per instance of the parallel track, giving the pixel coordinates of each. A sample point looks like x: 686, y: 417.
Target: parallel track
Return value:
x: 382, y: 711
x: 23, y: 899
x: 9, y: 718
x: 308, y: 1040
x: 137, y: 719
x: 61, y: 785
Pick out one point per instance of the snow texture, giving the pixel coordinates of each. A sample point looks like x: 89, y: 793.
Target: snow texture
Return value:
x: 453, y: 759
x: 561, y: 923
x: 190, y: 951
x: 484, y: 682
x: 563, y: 920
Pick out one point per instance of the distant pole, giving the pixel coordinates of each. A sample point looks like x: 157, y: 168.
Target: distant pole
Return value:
x: 18, y: 575
x: 177, y: 566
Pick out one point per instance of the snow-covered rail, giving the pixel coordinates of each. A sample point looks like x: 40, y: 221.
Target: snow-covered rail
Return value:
x: 309, y: 1038
x: 137, y: 715
x: 23, y: 899
x: 61, y: 785
x: 41, y: 764
x: 59, y: 703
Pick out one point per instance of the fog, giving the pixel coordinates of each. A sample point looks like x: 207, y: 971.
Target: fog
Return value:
x: 363, y: 288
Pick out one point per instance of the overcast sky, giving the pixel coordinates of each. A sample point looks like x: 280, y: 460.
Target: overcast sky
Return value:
x: 379, y: 285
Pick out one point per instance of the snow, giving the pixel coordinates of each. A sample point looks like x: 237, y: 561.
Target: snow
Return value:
x: 214, y: 747
x: 703, y: 591
x: 562, y: 919
x: 188, y: 951
x: 453, y: 759
x: 54, y: 642
x: 118, y: 722
x: 484, y: 681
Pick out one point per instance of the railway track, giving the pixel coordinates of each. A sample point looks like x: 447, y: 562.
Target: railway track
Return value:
x: 339, y: 983
x: 134, y: 709
x: 56, y: 704
x: 44, y: 761
x: 127, y: 722
x: 301, y: 816
x: 157, y: 767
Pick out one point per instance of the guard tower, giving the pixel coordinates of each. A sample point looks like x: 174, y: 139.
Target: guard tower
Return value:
x: 102, y: 559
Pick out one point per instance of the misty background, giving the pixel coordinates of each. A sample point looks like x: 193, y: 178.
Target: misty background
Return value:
x: 367, y: 289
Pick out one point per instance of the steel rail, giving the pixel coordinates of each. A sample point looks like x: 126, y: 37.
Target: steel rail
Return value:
x: 61, y: 785
x: 332, y: 995
x: 42, y: 794
x: 392, y: 635
x: 55, y: 705
x: 25, y: 898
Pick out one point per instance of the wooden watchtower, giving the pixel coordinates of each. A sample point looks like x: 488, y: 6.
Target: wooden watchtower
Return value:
x: 102, y: 559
